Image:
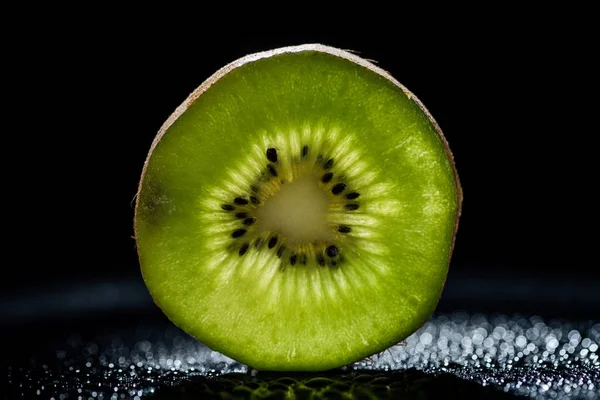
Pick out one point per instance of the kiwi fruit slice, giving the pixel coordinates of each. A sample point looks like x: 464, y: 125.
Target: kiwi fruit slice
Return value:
x: 298, y: 211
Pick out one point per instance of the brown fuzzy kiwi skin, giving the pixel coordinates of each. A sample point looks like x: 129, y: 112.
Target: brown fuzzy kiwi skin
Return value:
x: 348, y: 55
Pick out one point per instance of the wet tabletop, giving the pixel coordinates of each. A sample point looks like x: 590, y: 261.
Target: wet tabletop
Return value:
x: 454, y: 355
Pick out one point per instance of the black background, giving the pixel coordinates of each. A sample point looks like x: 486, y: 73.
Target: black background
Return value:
x: 510, y: 96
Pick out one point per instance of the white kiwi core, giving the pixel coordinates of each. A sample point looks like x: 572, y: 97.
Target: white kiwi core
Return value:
x: 298, y: 211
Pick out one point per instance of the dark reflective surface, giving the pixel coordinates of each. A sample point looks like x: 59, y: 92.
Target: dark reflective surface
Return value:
x: 130, y: 350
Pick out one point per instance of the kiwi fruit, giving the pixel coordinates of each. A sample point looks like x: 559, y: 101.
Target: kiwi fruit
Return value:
x: 298, y: 211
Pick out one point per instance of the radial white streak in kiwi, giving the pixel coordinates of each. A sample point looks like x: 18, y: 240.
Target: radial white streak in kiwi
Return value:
x: 315, y: 280
x: 271, y: 285
x: 368, y: 269
x: 221, y: 229
x: 216, y: 262
x: 302, y: 284
x: 366, y: 233
x: 319, y: 286
x: 373, y: 248
x: 261, y: 271
x: 209, y: 212
x: 365, y: 272
x: 348, y: 160
x: 344, y: 286
x: 329, y: 292
x: 383, y: 208
x: 354, y: 219
x: 244, y: 266
x: 251, y: 265
x: 291, y: 289
x: 347, y: 283
x: 295, y: 146
x: 349, y: 291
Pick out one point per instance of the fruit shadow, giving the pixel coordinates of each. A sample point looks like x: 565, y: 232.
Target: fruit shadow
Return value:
x: 334, y: 384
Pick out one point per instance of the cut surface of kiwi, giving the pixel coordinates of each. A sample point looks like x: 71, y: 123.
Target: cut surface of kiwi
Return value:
x: 298, y: 211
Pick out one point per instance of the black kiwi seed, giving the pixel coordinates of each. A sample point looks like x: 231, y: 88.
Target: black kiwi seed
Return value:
x: 228, y: 207
x: 272, y: 170
x: 241, y: 215
x: 254, y: 200
x: 344, y: 229
x: 249, y: 221
x: 303, y: 259
x: 351, y: 206
x: 272, y: 155
x: 331, y: 251
x: 327, y: 177
x: 280, y: 251
x: 238, y: 233
x: 339, y: 188
x: 328, y: 164
x: 320, y: 259
x: 240, y: 200
x: 243, y: 249
x: 293, y: 259
x: 258, y: 243
x: 304, y: 151
x: 272, y: 242
x: 352, y: 196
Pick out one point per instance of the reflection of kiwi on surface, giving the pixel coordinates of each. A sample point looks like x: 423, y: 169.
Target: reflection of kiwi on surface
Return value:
x: 298, y: 211
x: 371, y: 385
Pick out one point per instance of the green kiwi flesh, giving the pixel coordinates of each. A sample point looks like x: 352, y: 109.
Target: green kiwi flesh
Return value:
x: 298, y: 211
